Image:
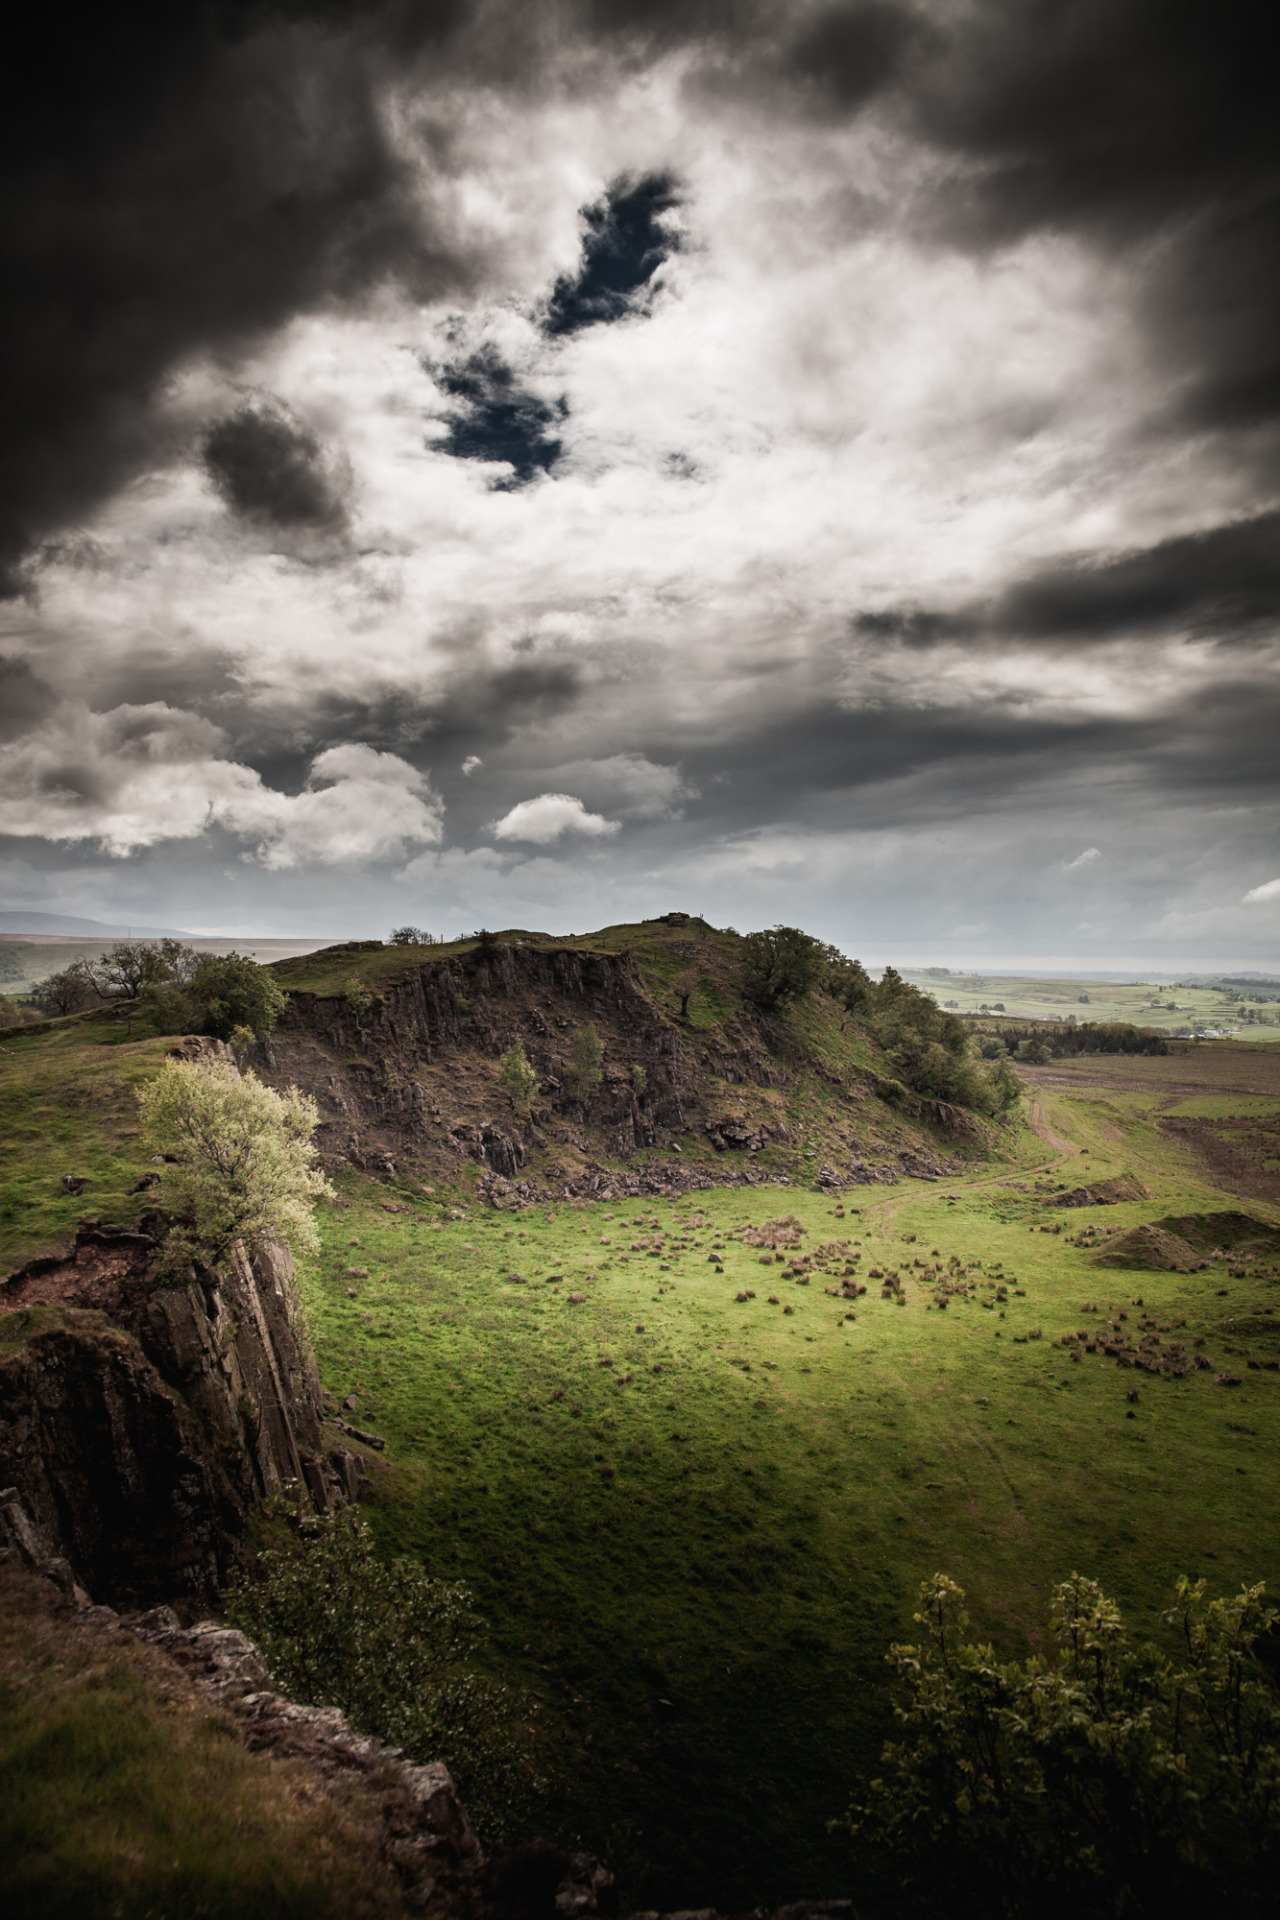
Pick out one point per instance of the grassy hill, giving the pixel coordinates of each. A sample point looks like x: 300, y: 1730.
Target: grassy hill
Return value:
x: 693, y: 1518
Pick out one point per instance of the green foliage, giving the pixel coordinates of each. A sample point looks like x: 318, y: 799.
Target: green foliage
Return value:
x: 583, y: 1073
x: 396, y: 1650
x: 244, y: 1163
x: 931, y: 1050
x: 779, y: 964
x: 847, y: 981
x: 1107, y: 1779
x: 69, y: 991
x: 230, y: 990
x: 639, y: 1081
x: 519, y: 1081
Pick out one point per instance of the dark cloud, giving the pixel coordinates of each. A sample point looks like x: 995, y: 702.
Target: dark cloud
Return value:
x: 494, y: 418
x: 1224, y: 583
x: 172, y: 178
x: 1123, y: 120
x: 623, y: 246
x: 1221, y: 582
x: 24, y: 700
x: 848, y: 53
x: 271, y: 468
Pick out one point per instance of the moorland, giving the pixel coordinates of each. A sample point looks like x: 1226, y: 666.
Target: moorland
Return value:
x: 694, y: 1396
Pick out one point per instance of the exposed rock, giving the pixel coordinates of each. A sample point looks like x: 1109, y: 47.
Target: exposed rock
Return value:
x: 142, y: 1415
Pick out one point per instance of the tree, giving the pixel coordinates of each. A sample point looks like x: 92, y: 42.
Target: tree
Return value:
x: 413, y: 937
x: 684, y: 986
x: 230, y: 990
x: 396, y: 1650
x: 244, y: 1160
x: 583, y: 1073
x: 1109, y: 1778
x: 519, y: 1081
x: 778, y: 965
x: 70, y: 991
x: 847, y: 981
x: 130, y: 966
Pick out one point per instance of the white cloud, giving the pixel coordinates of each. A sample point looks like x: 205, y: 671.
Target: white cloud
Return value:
x: 471, y: 762
x: 630, y: 784
x: 550, y: 815
x: 139, y: 775
x: 1085, y: 859
x: 1269, y: 890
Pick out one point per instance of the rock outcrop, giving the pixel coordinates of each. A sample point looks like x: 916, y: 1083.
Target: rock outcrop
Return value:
x: 142, y: 1415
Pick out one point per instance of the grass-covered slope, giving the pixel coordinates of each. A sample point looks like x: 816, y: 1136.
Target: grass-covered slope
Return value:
x: 126, y: 1795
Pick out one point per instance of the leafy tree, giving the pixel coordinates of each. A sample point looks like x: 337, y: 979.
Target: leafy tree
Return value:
x: 222, y: 992
x: 230, y: 990
x: 519, y: 1081
x: 583, y: 1073
x: 847, y: 981
x: 413, y: 937
x: 778, y: 965
x: 70, y: 991
x: 1107, y: 1779
x: 130, y: 966
x: 337, y: 1626
x: 244, y: 1160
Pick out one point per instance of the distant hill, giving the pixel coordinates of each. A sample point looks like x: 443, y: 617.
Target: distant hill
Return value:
x: 54, y: 923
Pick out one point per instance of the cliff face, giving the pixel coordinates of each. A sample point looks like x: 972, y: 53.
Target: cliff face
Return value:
x: 409, y: 1073
x: 142, y: 1416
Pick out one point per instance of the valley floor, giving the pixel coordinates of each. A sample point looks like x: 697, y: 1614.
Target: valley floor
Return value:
x: 696, y: 1519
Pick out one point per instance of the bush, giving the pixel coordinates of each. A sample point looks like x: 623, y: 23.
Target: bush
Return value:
x: 1107, y: 1779
x: 519, y: 1081
x: 413, y: 937
x: 583, y: 1073
x: 395, y: 1650
x: 244, y: 1163
x: 778, y: 965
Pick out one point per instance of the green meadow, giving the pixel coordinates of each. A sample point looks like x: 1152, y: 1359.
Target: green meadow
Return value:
x: 694, y: 1522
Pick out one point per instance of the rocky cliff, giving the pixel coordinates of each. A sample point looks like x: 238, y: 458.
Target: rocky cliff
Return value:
x: 406, y: 1073
x: 142, y: 1415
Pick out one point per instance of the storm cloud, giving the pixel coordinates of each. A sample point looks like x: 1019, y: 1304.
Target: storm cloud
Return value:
x: 558, y: 461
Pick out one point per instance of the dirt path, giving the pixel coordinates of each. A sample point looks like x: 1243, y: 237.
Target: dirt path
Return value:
x: 1039, y: 1124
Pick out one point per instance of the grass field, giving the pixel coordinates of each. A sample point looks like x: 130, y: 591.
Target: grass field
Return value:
x: 1245, y: 1013
x: 695, y: 1522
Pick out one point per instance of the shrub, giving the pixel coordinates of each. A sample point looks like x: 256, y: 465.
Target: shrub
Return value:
x: 778, y: 965
x: 413, y: 937
x: 519, y: 1081
x: 583, y: 1073
x: 244, y: 1162
x: 394, y: 1649
x: 1109, y: 1778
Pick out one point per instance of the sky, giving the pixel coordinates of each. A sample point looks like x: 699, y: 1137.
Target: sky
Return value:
x: 546, y: 464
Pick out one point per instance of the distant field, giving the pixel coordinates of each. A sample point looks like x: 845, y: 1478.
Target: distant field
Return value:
x: 1170, y: 1009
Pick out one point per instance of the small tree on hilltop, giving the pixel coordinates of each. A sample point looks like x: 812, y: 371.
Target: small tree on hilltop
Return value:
x: 244, y: 1160
x: 779, y: 964
x: 519, y: 1081
x: 583, y: 1073
x: 222, y: 994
